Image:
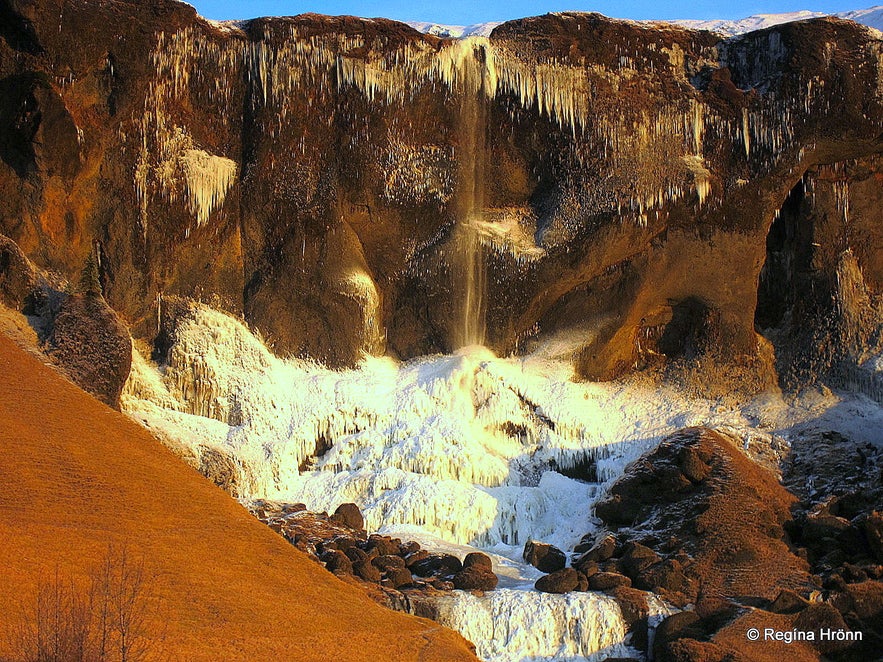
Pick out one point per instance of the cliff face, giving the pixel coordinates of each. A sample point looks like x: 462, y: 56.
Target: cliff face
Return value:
x: 354, y: 186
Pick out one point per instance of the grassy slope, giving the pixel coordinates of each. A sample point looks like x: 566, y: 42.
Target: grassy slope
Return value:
x: 75, y: 475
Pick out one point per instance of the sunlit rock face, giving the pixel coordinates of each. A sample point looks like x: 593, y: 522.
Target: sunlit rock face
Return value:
x: 353, y: 186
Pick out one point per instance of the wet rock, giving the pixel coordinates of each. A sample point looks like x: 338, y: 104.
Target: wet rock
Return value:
x: 544, y: 557
x: 349, y: 515
x: 562, y: 581
x: 414, y: 557
x: 221, y: 469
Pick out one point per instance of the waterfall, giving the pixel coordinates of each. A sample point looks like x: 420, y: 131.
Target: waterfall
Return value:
x: 468, y: 263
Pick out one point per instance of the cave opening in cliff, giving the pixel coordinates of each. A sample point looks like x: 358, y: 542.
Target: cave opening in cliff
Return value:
x: 787, y: 242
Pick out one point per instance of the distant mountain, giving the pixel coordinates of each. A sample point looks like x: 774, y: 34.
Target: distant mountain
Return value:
x: 872, y: 17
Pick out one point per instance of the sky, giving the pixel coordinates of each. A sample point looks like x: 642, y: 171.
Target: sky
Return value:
x: 466, y: 12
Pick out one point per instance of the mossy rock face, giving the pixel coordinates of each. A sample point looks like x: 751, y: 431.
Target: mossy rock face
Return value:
x: 93, y: 346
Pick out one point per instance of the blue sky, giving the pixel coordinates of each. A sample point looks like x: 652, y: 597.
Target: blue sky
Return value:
x: 464, y: 12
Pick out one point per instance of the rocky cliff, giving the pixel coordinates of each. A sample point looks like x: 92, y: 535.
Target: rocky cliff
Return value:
x: 351, y: 185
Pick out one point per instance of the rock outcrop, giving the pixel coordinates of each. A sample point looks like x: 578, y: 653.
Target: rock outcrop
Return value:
x: 323, y: 177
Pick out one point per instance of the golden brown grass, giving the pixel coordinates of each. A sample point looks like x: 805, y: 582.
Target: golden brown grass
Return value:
x: 76, y: 476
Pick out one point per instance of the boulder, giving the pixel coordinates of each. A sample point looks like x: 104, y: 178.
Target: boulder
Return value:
x: 337, y: 562
x: 543, y: 556
x: 636, y: 558
x: 349, y: 515
x: 436, y: 564
x: 388, y: 562
x: 475, y: 577
x: 605, y: 581
x: 478, y: 559
x: 399, y: 577
x: 872, y: 527
x: 562, y: 581
x: 367, y: 571
x: 788, y: 602
x: 383, y: 545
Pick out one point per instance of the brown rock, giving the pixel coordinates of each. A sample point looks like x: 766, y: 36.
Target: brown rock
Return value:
x: 544, y: 557
x: 478, y: 559
x: 93, y: 346
x: 436, y: 564
x: 636, y: 558
x: 475, y: 577
x: 349, y: 515
x: 632, y: 603
x: 337, y: 562
x: 18, y: 277
x: 562, y: 581
x: 692, y: 466
x: 399, y: 577
x: 684, y: 624
x: 367, y: 571
x: 818, y: 616
x: 388, y: 562
x: 605, y: 581
x: 788, y: 602
x: 583, y: 584
x: 872, y: 527
x: 383, y: 545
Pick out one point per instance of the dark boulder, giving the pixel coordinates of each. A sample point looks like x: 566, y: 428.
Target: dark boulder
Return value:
x: 605, y: 581
x: 544, y: 557
x: 337, y: 562
x: 477, y: 559
x: 475, y: 577
x: 349, y: 515
x: 388, y: 562
x: 367, y: 571
x: 399, y: 577
x: 436, y: 564
x: 562, y: 581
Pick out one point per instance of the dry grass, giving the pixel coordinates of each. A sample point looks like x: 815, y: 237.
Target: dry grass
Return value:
x: 76, y: 476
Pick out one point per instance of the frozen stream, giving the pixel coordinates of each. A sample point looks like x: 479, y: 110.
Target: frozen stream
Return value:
x: 464, y: 449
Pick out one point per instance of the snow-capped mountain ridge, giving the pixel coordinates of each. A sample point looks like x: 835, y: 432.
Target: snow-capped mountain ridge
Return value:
x: 871, y: 17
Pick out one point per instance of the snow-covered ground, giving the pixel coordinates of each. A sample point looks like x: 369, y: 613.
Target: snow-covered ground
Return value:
x: 872, y: 17
x: 464, y: 449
